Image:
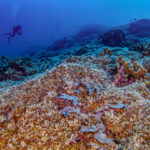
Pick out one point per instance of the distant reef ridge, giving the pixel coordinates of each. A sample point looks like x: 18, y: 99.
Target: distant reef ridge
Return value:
x: 139, y: 28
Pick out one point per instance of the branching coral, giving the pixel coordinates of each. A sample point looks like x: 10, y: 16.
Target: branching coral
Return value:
x: 30, y: 118
x: 128, y: 73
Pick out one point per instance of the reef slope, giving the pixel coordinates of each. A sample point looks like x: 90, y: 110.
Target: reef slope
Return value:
x: 75, y: 106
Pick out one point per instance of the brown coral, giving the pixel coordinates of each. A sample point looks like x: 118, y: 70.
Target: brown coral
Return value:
x: 29, y: 118
x: 137, y: 71
x: 128, y: 73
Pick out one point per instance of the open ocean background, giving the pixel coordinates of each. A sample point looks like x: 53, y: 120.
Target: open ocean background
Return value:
x: 45, y: 21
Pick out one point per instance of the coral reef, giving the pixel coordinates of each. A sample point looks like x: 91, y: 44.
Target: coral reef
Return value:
x: 88, y: 33
x: 113, y: 38
x: 15, y: 68
x: 61, y: 44
x: 81, y: 51
x: 90, y: 29
x: 20, y: 68
x: 127, y: 73
x: 74, y: 106
x: 143, y: 47
x: 138, y: 28
x: 146, y: 63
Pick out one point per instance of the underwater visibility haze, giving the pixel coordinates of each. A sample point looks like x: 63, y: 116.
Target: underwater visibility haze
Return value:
x: 44, y: 22
x: 75, y: 74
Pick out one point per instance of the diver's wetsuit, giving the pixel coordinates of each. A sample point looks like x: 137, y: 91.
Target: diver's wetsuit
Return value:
x: 16, y: 30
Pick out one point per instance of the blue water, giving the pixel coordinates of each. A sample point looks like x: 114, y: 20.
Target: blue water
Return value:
x: 45, y: 21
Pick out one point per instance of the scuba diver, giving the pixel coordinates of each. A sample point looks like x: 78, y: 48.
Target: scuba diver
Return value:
x: 17, y: 30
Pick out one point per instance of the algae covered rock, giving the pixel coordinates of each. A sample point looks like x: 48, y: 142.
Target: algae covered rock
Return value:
x: 114, y: 38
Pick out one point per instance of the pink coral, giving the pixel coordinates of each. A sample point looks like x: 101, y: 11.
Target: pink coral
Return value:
x: 128, y: 73
x: 122, y: 79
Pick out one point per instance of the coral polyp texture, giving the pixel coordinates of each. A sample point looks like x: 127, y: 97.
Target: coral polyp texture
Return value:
x: 75, y: 106
x: 128, y: 73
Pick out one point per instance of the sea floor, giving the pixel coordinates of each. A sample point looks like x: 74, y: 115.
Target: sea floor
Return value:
x: 85, y: 97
